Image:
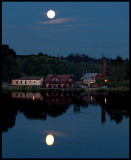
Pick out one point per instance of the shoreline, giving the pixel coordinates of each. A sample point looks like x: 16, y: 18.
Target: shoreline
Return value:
x: 40, y: 89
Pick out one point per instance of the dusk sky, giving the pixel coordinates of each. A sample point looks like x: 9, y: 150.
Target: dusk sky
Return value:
x: 91, y: 28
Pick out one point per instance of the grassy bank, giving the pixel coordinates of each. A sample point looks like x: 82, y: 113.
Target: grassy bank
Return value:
x: 22, y: 88
x: 118, y: 89
x: 39, y: 88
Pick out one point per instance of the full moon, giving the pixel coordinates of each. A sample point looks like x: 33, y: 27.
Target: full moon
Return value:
x: 51, y: 14
x: 49, y: 139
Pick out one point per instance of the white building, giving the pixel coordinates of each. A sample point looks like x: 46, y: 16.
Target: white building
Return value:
x: 26, y: 80
x: 89, y: 78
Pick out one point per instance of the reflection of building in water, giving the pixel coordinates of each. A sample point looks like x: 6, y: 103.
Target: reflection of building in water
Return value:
x: 117, y: 105
x: 83, y: 100
x: 95, y: 98
x: 58, y: 98
x: 56, y: 103
x: 103, y: 111
x: 89, y: 98
x: 27, y: 96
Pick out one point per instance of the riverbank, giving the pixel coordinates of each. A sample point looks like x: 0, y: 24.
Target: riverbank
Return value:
x: 118, y: 89
x: 21, y: 88
x: 40, y: 89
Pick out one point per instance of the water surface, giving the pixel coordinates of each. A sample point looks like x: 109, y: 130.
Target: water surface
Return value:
x: 91, y: 125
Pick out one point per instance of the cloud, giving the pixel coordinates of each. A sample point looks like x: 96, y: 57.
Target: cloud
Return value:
x: 55, y: 133
x: 91, y: 24
x: 56, y: 21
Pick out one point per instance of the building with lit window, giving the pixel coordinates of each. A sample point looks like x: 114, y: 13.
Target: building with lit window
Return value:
x: 90, y: 78
x: 28, y: 80
x: 59, y: 81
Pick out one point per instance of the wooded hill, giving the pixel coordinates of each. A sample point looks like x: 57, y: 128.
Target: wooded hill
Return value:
x: 14, y: 65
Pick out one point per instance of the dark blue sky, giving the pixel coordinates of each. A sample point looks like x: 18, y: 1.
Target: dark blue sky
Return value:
x: 91, y: 28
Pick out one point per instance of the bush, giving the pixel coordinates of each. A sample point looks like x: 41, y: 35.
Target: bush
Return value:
x: 117, y: 84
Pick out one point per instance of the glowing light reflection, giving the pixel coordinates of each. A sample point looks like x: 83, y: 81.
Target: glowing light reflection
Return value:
x: 49, y: 139
x: 105, y: 100
x: 33, y: 98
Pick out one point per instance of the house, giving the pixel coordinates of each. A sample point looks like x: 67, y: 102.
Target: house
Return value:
x: 28, y: 80
x: 90, y: 78
x: 59, y: 81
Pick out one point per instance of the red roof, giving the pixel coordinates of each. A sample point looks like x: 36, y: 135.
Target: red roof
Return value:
x: 60, y: 77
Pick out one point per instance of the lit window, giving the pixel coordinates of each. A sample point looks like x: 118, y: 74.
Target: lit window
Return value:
x: 33, y: 98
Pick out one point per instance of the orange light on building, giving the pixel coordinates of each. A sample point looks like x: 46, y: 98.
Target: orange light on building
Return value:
x: 106, y: 80
x: 91, y: 98
x: 105, y: 100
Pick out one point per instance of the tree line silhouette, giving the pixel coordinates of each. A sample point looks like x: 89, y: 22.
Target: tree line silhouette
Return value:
x: 14, y: 65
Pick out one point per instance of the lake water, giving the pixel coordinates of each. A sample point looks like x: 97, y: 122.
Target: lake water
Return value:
x: 65, y: 125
